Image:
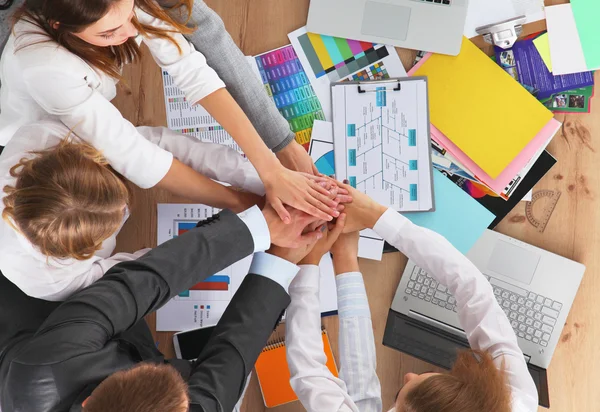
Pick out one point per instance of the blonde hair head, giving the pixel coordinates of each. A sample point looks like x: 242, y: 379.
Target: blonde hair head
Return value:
x: 66, y: 201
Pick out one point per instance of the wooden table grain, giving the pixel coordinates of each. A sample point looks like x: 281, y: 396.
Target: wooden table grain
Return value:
x: 258, y: 26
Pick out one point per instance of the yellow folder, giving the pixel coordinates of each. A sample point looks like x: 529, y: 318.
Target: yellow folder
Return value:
x: 481, y: 108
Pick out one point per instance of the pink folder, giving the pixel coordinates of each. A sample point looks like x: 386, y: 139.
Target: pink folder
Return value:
x: 498, y: 184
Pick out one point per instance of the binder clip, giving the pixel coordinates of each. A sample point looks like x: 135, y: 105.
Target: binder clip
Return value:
x: 503, y: 34
x: 378, y: 82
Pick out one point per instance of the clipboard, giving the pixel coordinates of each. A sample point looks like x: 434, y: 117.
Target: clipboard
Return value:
x: 390, y: 162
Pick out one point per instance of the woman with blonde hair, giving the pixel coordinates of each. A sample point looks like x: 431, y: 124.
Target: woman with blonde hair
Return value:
x: 64, y: 59
x: 63, y: 204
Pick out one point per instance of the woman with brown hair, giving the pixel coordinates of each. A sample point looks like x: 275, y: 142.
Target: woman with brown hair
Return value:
x: 63, y: 205
x: 491, y: 377
x: 64, y: 59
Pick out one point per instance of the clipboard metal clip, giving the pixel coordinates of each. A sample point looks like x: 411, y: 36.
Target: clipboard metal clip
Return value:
x: 378, y: 89
x: 503, y: 34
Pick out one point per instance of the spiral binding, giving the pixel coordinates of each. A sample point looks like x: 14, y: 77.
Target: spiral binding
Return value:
x: 276, y: 344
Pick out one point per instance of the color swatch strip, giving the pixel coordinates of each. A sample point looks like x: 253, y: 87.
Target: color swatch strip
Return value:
x: 286, y: 82
x: 336, y: 57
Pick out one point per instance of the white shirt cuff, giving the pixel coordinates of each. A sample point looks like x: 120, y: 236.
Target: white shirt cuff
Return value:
x: 389, y: 224
x: 309, y: 277
x: 278, y: 270
x: 254, y: 219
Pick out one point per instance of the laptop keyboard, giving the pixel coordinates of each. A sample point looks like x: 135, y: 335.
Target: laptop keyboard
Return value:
x: 532, y: 317
x: 441, y: 2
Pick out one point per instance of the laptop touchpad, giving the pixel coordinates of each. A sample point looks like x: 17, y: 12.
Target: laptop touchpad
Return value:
x: 514, y: 262
x: 385, y: 20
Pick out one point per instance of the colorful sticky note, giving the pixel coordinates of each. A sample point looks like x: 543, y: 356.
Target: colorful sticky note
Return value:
x: 542, y: 45
x: 587, y: 14
x: 457, y: 216
x: 481, y: 108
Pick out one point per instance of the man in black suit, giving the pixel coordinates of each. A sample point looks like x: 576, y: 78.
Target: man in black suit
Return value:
x: 94, y: 352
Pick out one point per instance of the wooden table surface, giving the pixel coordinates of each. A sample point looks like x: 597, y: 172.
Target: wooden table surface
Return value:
x: 572, y: 231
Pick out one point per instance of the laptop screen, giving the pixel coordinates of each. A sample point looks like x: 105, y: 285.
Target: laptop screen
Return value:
x: 439, y: 348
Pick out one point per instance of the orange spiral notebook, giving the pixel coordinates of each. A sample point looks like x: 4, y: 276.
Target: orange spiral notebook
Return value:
x: 274, y: 375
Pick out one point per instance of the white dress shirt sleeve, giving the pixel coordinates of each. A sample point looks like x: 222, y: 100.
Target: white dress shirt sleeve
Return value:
x: 315, y: 385
x: 485, y: 324
x: 57, y: 87
x: 275, y: 268
x: 255, y: 220
x: 358, y: 360
x: 188, y: 67
x: 213, y: 160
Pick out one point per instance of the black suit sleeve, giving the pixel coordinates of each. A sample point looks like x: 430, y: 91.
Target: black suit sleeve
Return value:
x: 131, y: 290
x: 222, y: 368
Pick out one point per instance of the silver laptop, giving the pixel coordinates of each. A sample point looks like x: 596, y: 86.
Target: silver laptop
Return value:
x: 431, y: 25
x: 535, y: 288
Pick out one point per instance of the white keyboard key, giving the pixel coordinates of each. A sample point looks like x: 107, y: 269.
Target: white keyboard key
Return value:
x: 421, y: 279
x: 537, y: 307
x: 418, y: 288
x: 521, y: 301
x: 427, y: 282
x: 451, y: 300
x: 441, y: 288
x: 434, y: 301
x: 537, y: 316
x: 546, y: 337
x: 505, y: 295
x: 528, y: 337
x: 521, y: 334
x: 538, y: 334
x: 415, y: 293
x: 514, y: 324
x: 529, y: 322
x: 557, y: 306
x: 513, y: 315
x: 441, y: 296
x: 514, y: 306
x: 430, y: 292
x: 505, y: 304
x: 550, y: 312
x: 544, y: 343
x: 411, y: 284
x: 522, y: 310
x: 529, y: 304
x: 497, y: 291
x: 513, y: 298
x: 413, y: 276
x: 427, y: 298
x: 434, y: 284
x: 550, y: 321
x: 521, y: 318
x: 531, y: 296
x: 449, y: 306
x: 522, y: 328
x: 530, y: 313
x: 530, y: 331
x: 421, y: 296
x: 547, y: 329
x: 408, y: 291
x: 537, y: 324
x: 548, y: 302
x: 536, y: 340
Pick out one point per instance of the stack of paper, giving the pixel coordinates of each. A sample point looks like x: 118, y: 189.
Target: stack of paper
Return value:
x: 573, y: 33
x: 487, y: 125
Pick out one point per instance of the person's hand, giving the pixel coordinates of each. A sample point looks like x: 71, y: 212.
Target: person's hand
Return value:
x: 295, y: 234
x: 295, y: 157
x: 330, y: 236
x: 300, y: 191
x: 345, y: 253
x: 363, y: 212
x: 245, y: 200
x: 346, y: 246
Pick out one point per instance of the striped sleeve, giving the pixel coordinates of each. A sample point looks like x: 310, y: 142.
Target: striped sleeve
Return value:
x: 358, y: 363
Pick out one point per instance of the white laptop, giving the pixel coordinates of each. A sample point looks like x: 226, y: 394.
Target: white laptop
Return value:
x: 430, y: 25
x: 535, y: 288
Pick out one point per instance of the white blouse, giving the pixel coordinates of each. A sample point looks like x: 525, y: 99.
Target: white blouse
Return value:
x: 56, y: 279
x: 42, y: 80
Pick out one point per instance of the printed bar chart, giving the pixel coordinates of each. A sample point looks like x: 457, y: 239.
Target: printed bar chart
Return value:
x: 287, y: 84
